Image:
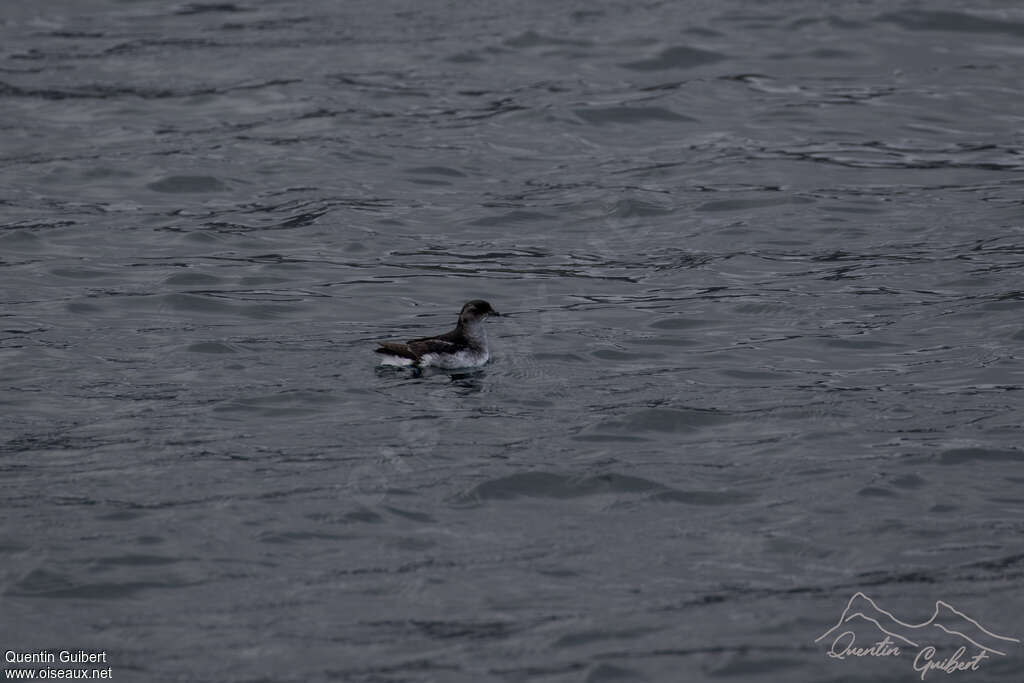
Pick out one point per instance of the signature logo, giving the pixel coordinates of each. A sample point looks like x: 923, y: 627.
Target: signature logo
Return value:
x: 949, y: 641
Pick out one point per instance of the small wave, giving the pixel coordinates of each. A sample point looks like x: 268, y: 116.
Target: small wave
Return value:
x: 540, y: 484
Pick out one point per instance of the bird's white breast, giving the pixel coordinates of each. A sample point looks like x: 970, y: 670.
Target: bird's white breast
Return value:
x: 461, y: 359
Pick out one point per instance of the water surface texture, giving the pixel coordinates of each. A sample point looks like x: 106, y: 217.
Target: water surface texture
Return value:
x: 763, y: 264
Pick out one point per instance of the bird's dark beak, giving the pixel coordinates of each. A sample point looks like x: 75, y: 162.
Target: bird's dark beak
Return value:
x: 495, y: 313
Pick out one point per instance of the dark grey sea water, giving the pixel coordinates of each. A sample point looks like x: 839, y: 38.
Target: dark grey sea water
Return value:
x: 766, y: 348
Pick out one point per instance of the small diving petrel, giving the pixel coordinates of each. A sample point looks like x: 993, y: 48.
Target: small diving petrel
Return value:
x: 463, y: 347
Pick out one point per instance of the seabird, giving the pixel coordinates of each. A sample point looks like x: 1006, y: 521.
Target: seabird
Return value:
x: 463, y: 347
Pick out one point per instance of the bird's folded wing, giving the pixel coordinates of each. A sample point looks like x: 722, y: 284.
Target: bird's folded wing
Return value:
x: 436, y: 345
x: 395, y: 349
x: 417, y: 348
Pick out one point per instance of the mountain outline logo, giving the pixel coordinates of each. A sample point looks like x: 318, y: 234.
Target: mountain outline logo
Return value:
x: 946, y: 625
